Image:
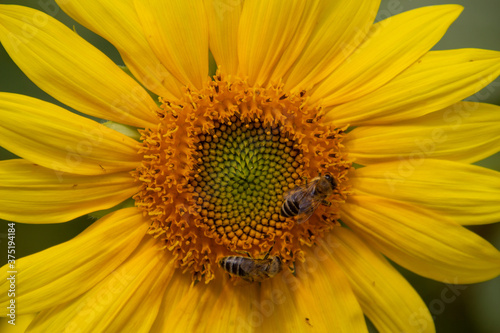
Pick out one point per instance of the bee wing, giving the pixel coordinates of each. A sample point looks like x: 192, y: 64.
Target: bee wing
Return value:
x: 294, y: 192
x: 298, y: 193
x: 258, y: 270
x: 304, y: 216
x: 310, y: 202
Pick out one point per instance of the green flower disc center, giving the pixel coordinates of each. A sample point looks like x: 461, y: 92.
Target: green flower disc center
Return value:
x: 244, y: 170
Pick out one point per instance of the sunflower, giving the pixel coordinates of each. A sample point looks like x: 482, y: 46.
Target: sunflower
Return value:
x: 303, y: 91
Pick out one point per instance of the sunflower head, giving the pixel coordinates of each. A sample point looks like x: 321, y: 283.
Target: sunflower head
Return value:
x: 215, y: 170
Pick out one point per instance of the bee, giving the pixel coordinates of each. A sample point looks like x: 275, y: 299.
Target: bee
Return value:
x: 302, y: 201
x: 251, y: 269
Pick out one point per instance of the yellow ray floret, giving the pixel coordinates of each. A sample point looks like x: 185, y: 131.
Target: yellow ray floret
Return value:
x: 70, y: 69
x: 55, y: 138
x: 65, y: 271
x: 422, y: 241
x: 70, y: 195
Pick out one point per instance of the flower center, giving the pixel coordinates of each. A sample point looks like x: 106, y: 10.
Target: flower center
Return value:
x: 217, y: 168
x: 243, y: 170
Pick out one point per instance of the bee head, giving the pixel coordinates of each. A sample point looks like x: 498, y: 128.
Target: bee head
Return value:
x: 276, y: 265
x: 331, y: 180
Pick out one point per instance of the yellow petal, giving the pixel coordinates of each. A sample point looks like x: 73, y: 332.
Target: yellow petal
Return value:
x: 55, y: 138
x: 126, y: 300
x: 422, y: 241
x: 237, y: 309
x: 137, y: 310
x: 390, y: 47
x: 190, y: 313
x: 436, y: 81
x: 223, y: 23
x: 117, y: 21
x: 468, y: 194
x: 340, y: 28
x: 20, y: 325
x: 33, y: 194
x: 281, y: 306
x: 176, y: 289
x: 269, y: 41
x: 305, y: 20
x: 65, y: 271
x: 177, y: 32
x: 465, y: 132
x: 67, y: 67
x: 317, y: 298
x: 385, y: 296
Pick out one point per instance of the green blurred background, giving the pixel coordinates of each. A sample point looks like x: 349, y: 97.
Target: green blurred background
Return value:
x: 475, y: 309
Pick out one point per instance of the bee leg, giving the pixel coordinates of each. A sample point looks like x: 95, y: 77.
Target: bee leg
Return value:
x: 269, y: 251
x: 326, y: 203
x: 243, y: 252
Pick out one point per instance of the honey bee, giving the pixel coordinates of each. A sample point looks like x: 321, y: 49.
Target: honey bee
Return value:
x: 302, y: 201
x: 250, y: 269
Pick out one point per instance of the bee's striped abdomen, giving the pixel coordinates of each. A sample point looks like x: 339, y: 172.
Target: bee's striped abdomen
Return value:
x: 232, y: 265
x: 290, y: 208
